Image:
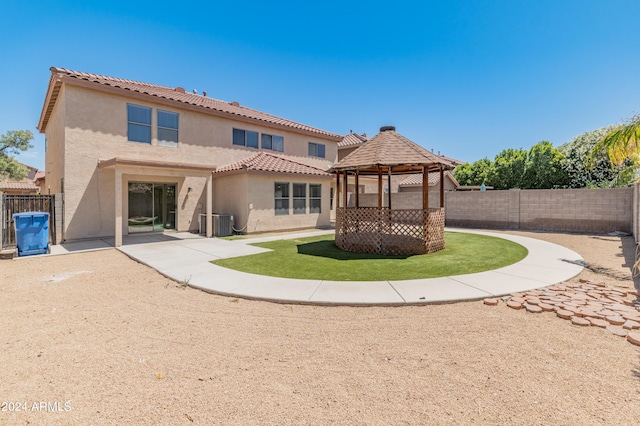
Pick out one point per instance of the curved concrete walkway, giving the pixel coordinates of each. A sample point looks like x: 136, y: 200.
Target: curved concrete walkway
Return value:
x: 185, y: 258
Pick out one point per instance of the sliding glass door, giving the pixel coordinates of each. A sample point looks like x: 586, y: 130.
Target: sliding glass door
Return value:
x: 152, y: 207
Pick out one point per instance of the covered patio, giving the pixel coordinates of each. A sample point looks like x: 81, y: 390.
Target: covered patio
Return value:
x: 383, y: 229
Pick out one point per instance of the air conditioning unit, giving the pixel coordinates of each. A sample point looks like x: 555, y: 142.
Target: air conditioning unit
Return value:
x: 222, y: 224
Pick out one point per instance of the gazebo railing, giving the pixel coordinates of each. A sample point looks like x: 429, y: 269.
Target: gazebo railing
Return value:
x: 390, y: 232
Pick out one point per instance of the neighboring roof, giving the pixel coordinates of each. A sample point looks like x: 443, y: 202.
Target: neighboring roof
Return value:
x: 18, y: 186
x: 415, y: 179
x: 177, y: 96
x: 453, y: 160
x: 267, y: 162
x: 387, y: 149
x: 352, y: 140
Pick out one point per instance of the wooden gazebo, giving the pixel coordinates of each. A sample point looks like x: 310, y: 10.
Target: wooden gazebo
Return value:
x: 383, y: 229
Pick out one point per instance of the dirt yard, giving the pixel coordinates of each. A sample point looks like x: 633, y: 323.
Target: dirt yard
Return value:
x: 96, y: 338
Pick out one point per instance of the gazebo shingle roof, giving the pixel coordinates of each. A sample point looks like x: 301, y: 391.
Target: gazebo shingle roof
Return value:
x: 387, y: 149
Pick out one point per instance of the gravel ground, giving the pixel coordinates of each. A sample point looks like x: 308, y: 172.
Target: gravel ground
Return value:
x: 101, y: 339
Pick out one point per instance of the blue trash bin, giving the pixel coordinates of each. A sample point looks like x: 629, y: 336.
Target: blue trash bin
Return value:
x: 32, y: 233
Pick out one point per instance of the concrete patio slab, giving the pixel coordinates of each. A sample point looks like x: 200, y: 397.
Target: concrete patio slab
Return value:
x: 356, y: 293
x: 186, y: 257
x: 446, y: 289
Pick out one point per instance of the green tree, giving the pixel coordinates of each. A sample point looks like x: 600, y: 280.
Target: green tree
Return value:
x: 544, y: 168
x: 586, y: 168
x: 507, y: 170
x: 473, y: 173
x: 12, y: 143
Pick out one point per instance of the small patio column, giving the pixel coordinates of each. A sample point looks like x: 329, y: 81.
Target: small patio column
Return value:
x: 209, y: 208
x: 118, y: 209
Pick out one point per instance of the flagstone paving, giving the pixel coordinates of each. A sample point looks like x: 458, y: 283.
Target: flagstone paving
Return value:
x: 585, y: 303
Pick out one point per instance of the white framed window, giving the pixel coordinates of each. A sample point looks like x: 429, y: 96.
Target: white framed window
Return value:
x: 299, y: 198
x: 281, y: 198
x: 315, y: 198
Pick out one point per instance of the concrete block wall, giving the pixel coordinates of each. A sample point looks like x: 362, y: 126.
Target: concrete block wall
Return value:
x: 488, y: 209
x: 572, y: 210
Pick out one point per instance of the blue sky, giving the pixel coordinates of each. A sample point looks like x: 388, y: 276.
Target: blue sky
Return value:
x: 466, y: 78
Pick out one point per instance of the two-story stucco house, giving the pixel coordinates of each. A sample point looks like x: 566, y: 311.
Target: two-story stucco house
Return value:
x: 131, y: 156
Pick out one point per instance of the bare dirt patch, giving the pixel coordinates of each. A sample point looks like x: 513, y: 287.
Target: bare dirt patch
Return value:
x: 121, y: 344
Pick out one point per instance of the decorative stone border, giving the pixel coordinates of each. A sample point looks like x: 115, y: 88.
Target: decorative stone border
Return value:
x: 585, y: 303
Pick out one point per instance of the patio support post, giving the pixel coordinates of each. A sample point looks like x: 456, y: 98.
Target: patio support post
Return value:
x: 209, y: 208
x: 118, y: 208
x: 441, y: 187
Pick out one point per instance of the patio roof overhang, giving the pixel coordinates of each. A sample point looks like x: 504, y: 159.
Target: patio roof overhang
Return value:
x: 125, y: 163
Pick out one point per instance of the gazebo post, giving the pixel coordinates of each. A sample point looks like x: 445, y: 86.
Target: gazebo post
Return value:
x: 344, y: 194
x: 379, y: 216
x: 441, y: 186
x: 425, y: 188
x: 425, y: 206
x: 357, y: 191
x: 379, y: 188
x: 337, y: 193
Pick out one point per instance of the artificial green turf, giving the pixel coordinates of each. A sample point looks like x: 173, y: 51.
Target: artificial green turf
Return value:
x: 320, y: 259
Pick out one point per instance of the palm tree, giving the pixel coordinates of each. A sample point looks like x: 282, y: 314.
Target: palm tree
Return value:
x: 621, y: 143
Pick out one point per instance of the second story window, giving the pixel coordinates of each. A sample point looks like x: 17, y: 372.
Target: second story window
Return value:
x: 167, y: 128
x: 245, y: 138
x: 274, y: 143
x: 316, y: 150
x: 138, y: 123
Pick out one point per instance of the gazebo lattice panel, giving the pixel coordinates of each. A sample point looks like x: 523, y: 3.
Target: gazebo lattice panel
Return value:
x: 390, y: 232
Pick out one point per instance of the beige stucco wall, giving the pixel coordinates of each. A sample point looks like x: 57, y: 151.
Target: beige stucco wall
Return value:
x: 54, y: 156
x: 92, y: 126
x: 256, y: 211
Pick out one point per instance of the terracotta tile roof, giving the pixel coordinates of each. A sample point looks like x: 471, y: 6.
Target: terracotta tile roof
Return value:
x: 177, y: 95
x: 351, y: 140
x: 267, y: 162
x: 389, y: 148
x: 434, y: 179
x: 18, y: 186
